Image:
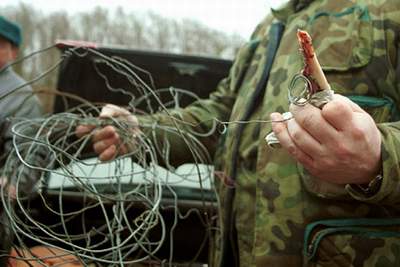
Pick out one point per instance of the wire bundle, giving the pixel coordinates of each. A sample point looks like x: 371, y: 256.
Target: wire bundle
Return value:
x: 117, y: 207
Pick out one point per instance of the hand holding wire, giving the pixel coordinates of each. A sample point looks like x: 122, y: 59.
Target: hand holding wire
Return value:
x: 339, y: 144
x: 107, y: 143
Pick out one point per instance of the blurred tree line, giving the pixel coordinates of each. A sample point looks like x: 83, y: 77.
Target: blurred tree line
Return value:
x: 147, y: 31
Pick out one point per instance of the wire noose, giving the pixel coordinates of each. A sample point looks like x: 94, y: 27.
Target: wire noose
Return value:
x: 305, y: 96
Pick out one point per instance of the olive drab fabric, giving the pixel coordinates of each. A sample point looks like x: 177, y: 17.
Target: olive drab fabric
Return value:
x: 357, y: 43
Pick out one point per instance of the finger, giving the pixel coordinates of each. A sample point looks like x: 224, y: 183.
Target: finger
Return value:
x: 14, y: 254
x: 22, y: 253
x: 111, y: 110
x: 7, y: 188
x: 102, y: 145
x: 65, y: 260
x: 338, y: 113
x: 109, y: 153
x: 22, y: 263
x: 53, y: 256
x: 107, y: 132
x: 354, y: 107
x: 122, y: 150
x: 281, y: 133
x: 70, y: 264
x: 303, y: 140
x: 12, y: 192
x: 286, y: 141
x: 312, y: 121
x: 82, y: 130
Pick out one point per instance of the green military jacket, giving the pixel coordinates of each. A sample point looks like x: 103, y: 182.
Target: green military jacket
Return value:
x: 281, y: 215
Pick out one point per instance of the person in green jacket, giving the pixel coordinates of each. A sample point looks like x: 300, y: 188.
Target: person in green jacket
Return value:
x: 330, y: 197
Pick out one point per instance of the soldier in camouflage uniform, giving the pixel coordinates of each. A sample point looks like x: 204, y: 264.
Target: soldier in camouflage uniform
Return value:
x: 278, y: 213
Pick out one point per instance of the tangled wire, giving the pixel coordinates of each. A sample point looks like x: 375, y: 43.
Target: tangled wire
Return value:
x: 112, y: 213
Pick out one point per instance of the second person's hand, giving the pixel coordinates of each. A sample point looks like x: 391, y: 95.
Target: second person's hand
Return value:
x: 107, y: 143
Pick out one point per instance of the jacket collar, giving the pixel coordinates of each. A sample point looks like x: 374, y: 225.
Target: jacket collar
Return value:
x: 289, y: 8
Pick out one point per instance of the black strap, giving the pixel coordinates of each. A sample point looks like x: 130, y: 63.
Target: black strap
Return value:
x: 229, y: 254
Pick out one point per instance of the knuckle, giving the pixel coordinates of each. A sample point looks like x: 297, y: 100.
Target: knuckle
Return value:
x: 109, y: 128
x: 278, y: 127
x: 358, y: 133
x: 97, y: 147
x: 112, y: 141
x: 333, y: 107
x: 308, y: 121
x: 295, y: 134
x: 80, y: 131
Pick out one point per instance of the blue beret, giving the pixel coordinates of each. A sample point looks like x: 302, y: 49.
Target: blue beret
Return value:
x: 10, y: 31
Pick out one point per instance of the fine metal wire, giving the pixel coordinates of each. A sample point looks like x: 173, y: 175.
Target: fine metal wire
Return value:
x: 123, y: 237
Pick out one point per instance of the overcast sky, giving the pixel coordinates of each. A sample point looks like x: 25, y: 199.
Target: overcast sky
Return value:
x: 231, y: 16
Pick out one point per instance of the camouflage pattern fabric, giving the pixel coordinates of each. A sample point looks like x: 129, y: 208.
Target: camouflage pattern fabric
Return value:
x: 357, y: 43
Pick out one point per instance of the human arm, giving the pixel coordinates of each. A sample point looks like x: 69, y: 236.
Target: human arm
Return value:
x: 166, y: 128
x: 200, y: 116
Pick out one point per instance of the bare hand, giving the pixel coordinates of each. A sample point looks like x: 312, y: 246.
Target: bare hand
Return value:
x: 339, y: 144
x: 50, y: 256
x: 106, y: 141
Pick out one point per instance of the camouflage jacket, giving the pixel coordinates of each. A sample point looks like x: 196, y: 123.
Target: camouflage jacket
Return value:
x: 281, y: 215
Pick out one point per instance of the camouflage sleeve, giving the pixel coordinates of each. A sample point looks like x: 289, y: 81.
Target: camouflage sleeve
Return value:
x: 202, y: 116
x: 172, y: 131
x: 175, y: 130
x: 389, y: 191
